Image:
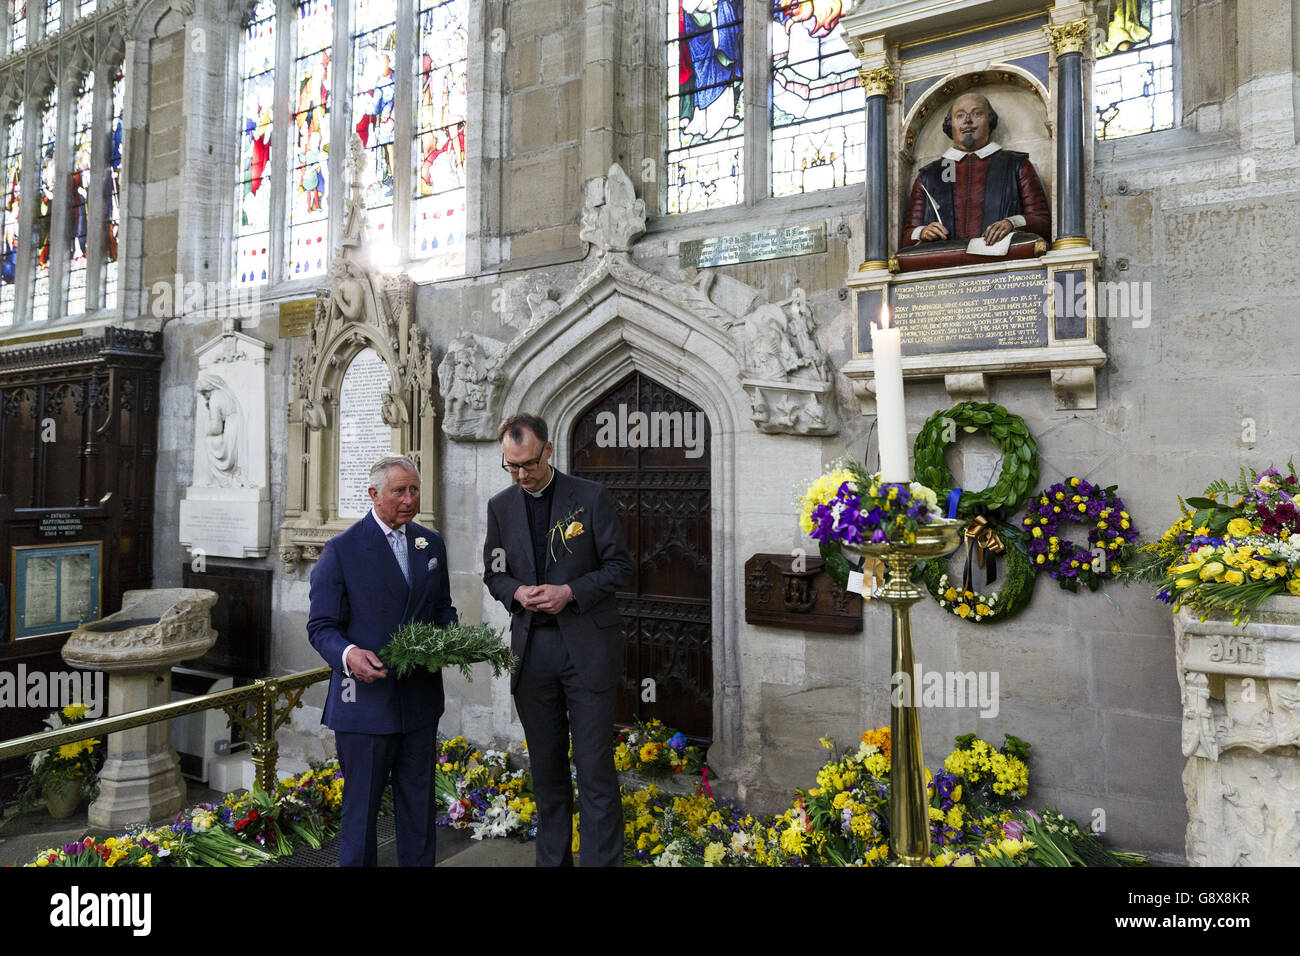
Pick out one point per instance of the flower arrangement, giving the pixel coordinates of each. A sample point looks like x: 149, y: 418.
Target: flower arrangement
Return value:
x: 1111, y: 537
x: 849, y: 506
x: 844, y: 819
x: 245, y: 829
x: 654, y: 750
x: 965, y: 604
x: 482, y: 793
x: 1230, y: 557
x: 71, y: 768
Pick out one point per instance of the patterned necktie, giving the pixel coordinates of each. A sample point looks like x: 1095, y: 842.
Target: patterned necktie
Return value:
x: 398, y: 541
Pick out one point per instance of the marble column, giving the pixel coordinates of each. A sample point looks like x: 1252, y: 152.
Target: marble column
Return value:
x: 877, y: 83
x: 1068, y: 42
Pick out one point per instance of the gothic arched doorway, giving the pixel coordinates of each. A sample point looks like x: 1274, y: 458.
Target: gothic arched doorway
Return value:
x: 650, y: 447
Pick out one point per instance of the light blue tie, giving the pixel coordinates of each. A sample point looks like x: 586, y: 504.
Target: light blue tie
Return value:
x: 398, y: 541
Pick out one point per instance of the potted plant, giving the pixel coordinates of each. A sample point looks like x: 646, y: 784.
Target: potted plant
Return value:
x: 66, y: 775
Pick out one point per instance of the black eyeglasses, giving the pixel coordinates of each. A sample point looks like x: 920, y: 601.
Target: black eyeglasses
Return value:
x: 526, y: 466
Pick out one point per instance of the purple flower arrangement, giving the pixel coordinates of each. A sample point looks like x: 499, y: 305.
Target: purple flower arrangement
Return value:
x: 1111, y: 534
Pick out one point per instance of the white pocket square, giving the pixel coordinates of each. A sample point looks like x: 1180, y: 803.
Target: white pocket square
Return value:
x: 433, y: 563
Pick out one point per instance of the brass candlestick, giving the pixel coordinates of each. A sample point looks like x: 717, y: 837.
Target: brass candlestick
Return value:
x: 909, y: 810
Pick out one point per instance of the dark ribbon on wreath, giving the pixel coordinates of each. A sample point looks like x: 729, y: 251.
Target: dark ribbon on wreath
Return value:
x: 983, y: 544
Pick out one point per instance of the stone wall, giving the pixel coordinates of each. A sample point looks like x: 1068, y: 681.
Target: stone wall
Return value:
x: 1198, y: 216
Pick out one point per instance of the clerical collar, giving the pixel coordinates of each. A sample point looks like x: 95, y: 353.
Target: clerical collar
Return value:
x: 538, y: 494
x: 984, y: 152
x: 400, y: 529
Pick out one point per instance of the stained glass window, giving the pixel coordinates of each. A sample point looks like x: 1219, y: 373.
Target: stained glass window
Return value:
x: 45, y: 209
x: 374, y: 60
x: 78, y: 194
x: 310, y: 128
x: 1133, y: 81
x: 9, y: 229
x: 257, y: 96
x: 705, y: 155
x: 53, y: 11
x: 17, y: 25
x: 113, y: 190
x: 438, y: 190
x: 817, y: 127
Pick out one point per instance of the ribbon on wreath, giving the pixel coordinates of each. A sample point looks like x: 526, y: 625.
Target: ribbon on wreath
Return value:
x: 983, y: 544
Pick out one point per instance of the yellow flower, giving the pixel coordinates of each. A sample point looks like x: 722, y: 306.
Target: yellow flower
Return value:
x: 792, y: 840
x: 714, y: 854
x: 573, y: 530
x: 963, y: 610
x: 982, y: 609
x: 1240, y: 528
x: 1293, y: 586
x: 74, y: 711
x: 950, y: 594
x: 1212, y: 570
x: 1234, y: 577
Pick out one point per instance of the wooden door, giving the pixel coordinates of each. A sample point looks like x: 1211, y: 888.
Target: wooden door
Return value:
x: 662, y: 495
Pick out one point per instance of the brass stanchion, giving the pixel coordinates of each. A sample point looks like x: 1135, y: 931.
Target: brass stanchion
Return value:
x: 909, y: 810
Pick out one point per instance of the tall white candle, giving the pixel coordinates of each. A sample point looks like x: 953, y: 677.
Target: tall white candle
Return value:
x: 887, y: 354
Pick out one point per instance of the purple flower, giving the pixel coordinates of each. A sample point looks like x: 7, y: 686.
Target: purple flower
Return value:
x: 1013, y: 829
x: 678, y: 742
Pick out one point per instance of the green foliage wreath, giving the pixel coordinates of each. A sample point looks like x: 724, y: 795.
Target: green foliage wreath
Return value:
x: 1009, y: 600
x: 1019, y: 473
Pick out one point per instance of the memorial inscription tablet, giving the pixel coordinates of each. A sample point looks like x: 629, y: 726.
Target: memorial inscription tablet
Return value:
x: 975, y: 313
x: 364, y: 438
x: 753, y: 246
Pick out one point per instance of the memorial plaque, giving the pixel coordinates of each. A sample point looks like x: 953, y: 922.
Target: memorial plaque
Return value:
x: 753, y: 246
x: 296, y: 317
x: 974, y: 313
x: 60, y: 524
x: 41, y: 604
x: 364, y: 438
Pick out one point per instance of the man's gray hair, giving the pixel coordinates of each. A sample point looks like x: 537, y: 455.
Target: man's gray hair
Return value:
x: 379, y: 470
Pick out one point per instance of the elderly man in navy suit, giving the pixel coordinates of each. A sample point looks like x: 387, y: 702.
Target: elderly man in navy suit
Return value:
x: 373, y: 578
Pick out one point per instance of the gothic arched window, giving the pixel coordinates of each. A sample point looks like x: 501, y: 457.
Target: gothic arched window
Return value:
x: 13, y: 167
x: 404, y: 74
x: 62, y: 96
x: 812, y: 131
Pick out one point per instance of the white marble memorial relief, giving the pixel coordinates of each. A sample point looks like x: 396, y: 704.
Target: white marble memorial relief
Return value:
x: 227, y: 510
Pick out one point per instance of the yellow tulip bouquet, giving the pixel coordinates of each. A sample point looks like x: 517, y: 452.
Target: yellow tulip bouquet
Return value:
x: 1229, y: 557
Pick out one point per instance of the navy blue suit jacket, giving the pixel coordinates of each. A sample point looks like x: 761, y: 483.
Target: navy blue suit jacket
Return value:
x: 358, y: 596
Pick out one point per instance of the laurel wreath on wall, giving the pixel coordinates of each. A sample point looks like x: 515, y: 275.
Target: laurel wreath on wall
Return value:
x: 1019, y: 469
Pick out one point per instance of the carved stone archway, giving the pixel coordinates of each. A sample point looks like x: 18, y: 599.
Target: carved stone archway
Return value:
x: 361, y: 309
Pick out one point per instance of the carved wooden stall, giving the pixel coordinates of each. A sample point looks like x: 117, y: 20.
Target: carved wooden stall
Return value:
x: 78, y: 435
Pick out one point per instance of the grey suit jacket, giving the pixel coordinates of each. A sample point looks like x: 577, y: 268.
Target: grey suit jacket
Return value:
x: 594, y: 562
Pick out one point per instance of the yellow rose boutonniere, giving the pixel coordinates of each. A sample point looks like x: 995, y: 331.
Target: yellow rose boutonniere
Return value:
x: 566, y: 528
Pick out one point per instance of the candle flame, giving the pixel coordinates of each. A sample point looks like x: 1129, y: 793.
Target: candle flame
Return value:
x: 884, y: 315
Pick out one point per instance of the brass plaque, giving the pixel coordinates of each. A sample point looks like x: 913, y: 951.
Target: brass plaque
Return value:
x: 296, y: 316
x: 753, y: 246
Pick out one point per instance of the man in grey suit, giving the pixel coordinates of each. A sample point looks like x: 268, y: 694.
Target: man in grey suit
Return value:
x: 555, y: 555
